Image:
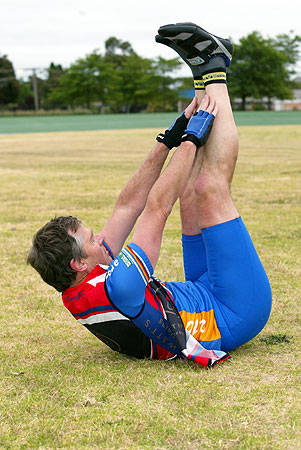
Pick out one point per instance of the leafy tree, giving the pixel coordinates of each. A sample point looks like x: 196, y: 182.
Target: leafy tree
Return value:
x: 54, y: 73
x: 260, y: 68
x: 289, y: 44
x: 143, y: 82
x: 130, y: 88
x: 165, y: 87
x: 134, y: 75
x: 186, y: 83
x: 117, y: 50
x: 25, y: 98
x: 121, y: 79
x: 84, y: 82
x: 9, y: 85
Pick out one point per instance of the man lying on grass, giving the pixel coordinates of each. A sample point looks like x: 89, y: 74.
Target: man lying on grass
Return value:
x: 226, y: 298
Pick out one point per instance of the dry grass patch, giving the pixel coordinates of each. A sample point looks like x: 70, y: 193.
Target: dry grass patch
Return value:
x: 60, y: 387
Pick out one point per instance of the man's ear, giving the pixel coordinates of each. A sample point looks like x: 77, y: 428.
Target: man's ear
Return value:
x: 78, y: 265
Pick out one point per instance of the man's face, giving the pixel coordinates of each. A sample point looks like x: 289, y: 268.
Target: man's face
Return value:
x: 93, y: 247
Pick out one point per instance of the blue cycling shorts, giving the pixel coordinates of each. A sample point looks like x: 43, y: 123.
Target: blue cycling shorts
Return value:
x: 227, y: 293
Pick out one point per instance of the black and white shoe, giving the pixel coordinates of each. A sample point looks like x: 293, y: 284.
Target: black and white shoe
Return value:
x: 195, y: 45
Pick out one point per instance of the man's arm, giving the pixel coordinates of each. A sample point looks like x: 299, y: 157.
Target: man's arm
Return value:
x: 150, y: 225
x: 132, y: 199
x: 167, y: 189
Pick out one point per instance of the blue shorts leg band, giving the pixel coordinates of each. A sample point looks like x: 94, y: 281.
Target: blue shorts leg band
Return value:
x: 194, y: 256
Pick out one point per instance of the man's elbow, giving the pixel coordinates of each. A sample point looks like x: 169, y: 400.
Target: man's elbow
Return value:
x: 158, y: 206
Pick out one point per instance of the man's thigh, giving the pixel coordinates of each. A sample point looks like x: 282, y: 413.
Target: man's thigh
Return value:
x: 237, y: 280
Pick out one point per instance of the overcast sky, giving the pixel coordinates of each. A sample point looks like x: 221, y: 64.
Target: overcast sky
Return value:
x: 34, y: 33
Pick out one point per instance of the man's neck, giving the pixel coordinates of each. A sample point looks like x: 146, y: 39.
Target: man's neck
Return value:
x: 80, y: 276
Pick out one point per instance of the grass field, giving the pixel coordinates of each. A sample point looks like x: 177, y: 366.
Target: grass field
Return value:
x: 61, y: 388
x: 43, y: 123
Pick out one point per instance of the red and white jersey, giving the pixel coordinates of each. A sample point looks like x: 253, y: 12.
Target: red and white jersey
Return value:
x: 88, y: 302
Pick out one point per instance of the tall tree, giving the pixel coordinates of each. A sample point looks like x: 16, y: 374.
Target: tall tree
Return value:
x: 121, y: 79
x: 9, y: 85
x: 134, y: 75
x: 54, y: 73
x: 115, y: 48
x: 260, y: 68
x: 26, y: 97
x: 165, y: 86
x: 289, y: 45
x: 128, y: 89
x: 84, y: 82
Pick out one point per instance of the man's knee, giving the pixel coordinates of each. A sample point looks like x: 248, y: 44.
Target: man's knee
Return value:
x: 211, y: 186
x: 215, y: 204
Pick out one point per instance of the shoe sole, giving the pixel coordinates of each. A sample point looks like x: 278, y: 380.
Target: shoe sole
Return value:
x: 186, y: 30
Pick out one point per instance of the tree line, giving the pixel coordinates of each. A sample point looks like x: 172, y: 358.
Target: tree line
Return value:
x: 120, y: 80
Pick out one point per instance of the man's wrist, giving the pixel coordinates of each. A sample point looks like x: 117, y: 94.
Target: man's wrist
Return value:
x: 161, y: 146
x: 188, y: 144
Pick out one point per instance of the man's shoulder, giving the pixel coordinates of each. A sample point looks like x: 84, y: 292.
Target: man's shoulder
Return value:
x: 91, y: 286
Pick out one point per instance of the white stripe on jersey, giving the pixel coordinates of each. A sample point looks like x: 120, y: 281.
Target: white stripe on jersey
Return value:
x: 103, y: 317
x: 98, y: 279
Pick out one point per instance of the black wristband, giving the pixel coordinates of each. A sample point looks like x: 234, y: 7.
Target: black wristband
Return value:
x: 172, y: 137
x: 163, y: 138
x: 191, y: 138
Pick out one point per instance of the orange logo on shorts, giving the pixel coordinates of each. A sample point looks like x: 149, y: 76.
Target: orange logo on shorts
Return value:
x: 201, y: 325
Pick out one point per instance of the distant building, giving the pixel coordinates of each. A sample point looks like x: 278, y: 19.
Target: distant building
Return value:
x: 289, y: 105
x: 293, y: 104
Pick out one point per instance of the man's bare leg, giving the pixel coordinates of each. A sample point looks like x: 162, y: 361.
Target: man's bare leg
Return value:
x: 212, y: 187
x: 207, y: 56
x: 207, y: 200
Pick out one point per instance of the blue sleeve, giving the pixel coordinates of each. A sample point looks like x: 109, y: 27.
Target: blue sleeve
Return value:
x: 127, y: 278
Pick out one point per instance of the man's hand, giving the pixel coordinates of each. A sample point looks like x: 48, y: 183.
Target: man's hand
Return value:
x: 201, y: 123
x: 172, y: 136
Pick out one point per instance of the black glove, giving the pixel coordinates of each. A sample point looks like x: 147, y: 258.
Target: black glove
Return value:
x: 172, y: 137
x: 199, y: 128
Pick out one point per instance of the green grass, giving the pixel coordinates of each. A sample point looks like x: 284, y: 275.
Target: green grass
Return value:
x: 61, y: 388
x: 44, y: 123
